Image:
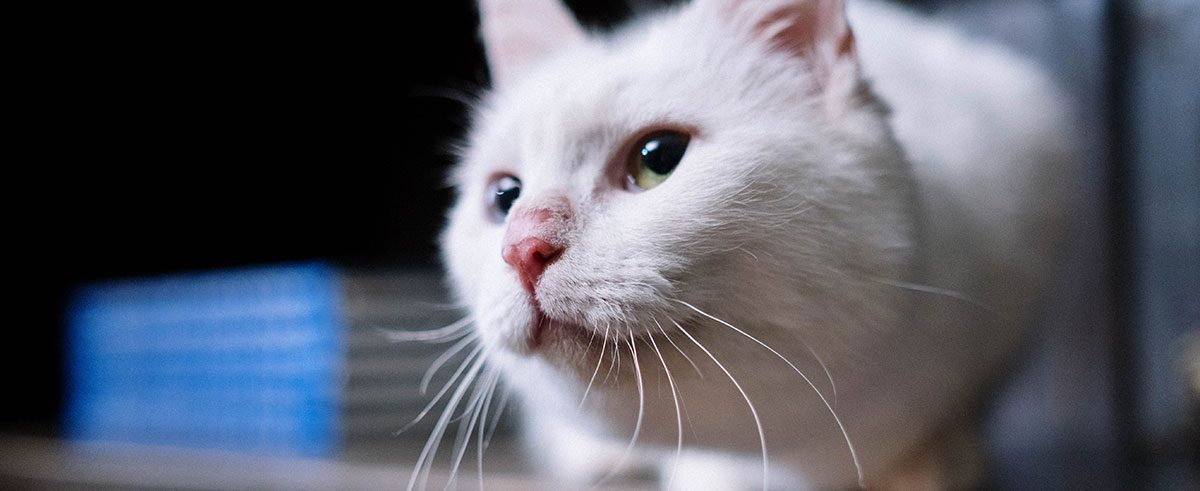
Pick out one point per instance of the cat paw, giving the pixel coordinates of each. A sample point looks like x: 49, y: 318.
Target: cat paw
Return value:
x: 699, y: 469
x: 571, y: 456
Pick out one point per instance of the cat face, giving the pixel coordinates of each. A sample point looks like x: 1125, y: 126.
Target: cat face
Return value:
x: 725, y: 155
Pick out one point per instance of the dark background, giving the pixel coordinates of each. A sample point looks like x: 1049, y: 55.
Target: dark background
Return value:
x: 151, y: 140
x: 219, y: 137
x: 175, y: 138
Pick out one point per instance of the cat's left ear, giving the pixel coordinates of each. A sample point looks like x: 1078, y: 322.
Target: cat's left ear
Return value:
x: 813, y: 30
x: 520, y: 33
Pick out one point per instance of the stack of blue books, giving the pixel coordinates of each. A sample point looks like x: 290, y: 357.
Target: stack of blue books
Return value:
x: 247, y: 360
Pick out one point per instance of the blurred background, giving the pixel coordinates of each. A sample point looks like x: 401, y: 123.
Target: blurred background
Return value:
x: 288, y: 154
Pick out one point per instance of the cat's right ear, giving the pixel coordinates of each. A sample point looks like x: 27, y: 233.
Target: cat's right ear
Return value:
x: 518, y: 34
x: 815, y: 31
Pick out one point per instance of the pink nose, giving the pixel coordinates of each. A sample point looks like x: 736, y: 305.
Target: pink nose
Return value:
x: 529, y: 246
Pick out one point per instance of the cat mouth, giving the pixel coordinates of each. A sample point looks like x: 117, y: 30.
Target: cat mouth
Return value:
x: 538, y: 328
x: 544, y: 330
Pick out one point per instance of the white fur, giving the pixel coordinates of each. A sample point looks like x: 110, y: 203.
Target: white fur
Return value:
x: 902, y: 247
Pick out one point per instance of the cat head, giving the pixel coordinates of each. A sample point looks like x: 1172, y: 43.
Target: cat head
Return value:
x: 725, y: 155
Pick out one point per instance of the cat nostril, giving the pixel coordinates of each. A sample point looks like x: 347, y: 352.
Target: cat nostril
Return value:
x: 529, y: 257
x: 535, y: 238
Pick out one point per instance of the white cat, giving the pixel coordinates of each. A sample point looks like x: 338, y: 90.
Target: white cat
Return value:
x: 741, y: 244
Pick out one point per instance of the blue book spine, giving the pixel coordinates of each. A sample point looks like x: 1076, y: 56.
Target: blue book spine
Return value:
x: 247, y: 360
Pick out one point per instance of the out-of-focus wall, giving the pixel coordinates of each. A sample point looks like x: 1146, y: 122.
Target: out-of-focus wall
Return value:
x: 1102, y: 400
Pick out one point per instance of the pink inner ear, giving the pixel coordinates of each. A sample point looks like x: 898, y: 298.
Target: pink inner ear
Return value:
x: 815, y: 30
x: 792, y: 28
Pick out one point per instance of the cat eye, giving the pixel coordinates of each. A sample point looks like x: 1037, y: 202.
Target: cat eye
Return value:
x: 655, y: 157
x: 501, y: 194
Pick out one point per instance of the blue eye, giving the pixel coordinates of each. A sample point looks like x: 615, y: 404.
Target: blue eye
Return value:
x: 502, y: 192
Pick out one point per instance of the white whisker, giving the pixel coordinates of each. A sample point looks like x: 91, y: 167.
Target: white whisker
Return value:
x: 932, y: 290
x: 832, y: 384
x: 425, y: 460
x: 441, y: 360
x: 453, y: 331
x: 747, y: 251
x: 463, y: 438
x: 762, y: 437
x: 461, y: 367
x: 617, y: 351
x: 487, y: 441
x: 591, y: 339
x: 603, y: 344
x: 678, y: 416
x: 616, y: 357
x: 845, y: 435
x: 680, y: 350
x: 637, y: 427
x: 479, y: 443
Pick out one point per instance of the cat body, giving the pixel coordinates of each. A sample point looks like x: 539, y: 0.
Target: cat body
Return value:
x: 845, y: 256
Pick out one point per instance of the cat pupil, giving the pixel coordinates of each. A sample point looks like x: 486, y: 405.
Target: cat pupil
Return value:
x: 505, y: 191
x: 663, y: 151
x: 657, y: 158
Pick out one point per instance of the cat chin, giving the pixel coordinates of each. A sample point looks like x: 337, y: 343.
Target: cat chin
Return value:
x: 545, y: 331
x: 539, y: 334
x: 572, y: 348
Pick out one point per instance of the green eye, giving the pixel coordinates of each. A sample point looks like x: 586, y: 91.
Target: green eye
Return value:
x: 655, y: 158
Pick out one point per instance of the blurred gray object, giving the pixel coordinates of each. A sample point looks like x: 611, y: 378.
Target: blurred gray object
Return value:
x: 379, y: 396
x: 382, y: 394
x: 1099, y: 403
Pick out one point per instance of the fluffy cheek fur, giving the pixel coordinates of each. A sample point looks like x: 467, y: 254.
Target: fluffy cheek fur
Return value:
x: 630, y: 253
x: 636, y: 252
x: 728, y: 225
x: 480, y: 281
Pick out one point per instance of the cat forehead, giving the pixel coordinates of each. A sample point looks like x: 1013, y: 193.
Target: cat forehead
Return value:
x: 586, y: 94
x: 670, y: 70
x: 648, y: 73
